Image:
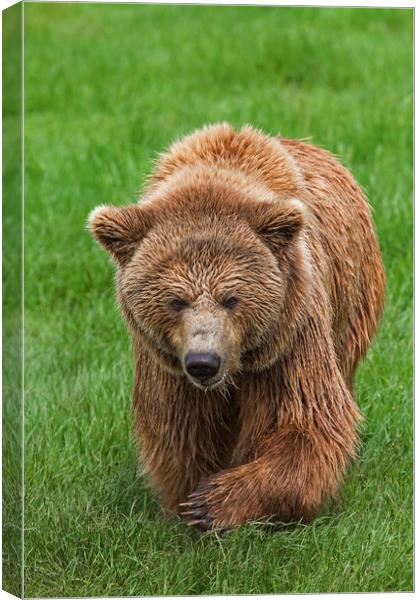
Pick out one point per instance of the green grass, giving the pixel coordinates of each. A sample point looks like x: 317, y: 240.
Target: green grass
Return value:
x: 106, y: 87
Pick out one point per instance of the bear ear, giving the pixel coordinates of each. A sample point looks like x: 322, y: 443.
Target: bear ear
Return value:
x: 278, y: 224
x: 119, y: 229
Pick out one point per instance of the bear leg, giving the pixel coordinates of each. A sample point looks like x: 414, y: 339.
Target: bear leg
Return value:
x: 297, y: 472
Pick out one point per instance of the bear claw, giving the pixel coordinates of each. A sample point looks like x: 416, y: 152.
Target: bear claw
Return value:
x: 197, y: 509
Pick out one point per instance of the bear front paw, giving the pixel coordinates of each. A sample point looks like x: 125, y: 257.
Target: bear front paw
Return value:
x: 223, y: 501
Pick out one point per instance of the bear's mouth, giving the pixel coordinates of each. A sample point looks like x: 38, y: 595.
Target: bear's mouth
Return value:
x: 206, y: 386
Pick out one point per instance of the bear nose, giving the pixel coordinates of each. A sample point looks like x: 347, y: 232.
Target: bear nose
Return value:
x: 202, y: 366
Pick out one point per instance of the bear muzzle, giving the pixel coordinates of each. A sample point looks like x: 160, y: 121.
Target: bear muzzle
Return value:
x: 205, y: 348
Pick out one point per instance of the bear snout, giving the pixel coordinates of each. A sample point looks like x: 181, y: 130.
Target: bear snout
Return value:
x: 202, y: 366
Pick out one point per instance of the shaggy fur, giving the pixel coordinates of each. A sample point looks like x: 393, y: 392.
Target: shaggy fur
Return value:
x: 260, y: 250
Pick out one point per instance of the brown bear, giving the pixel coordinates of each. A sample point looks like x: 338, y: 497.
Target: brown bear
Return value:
x: 251, y: 280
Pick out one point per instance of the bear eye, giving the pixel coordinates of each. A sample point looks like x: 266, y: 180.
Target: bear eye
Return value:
x: 230, y: 302
x: 178, y: 304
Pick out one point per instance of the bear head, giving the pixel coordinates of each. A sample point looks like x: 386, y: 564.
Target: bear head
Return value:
x: 206, y: 269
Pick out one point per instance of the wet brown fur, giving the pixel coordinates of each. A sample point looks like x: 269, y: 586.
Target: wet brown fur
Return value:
x: 219, y: 215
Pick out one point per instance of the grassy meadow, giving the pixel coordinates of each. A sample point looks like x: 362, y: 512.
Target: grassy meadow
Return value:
x: 106, y: 88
